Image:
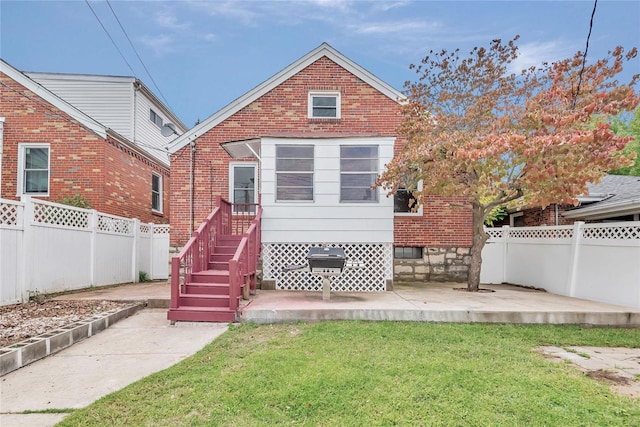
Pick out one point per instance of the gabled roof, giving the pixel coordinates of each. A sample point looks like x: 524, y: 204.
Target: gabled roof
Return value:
x: 53, y: 99
x: 615, y: 195
x: 323, y: 50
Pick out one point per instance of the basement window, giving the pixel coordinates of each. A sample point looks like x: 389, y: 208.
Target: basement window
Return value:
x: 406, y: 252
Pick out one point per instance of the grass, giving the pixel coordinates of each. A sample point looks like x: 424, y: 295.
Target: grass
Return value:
x: 361, y: 374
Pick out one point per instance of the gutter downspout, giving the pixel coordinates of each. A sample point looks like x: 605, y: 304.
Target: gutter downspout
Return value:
x: 191, y: 179
x: 1, y: 151
x: 557, y: 213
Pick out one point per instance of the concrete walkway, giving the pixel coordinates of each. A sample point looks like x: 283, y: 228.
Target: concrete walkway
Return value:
x: 146, y: 343
x: 129, y: 350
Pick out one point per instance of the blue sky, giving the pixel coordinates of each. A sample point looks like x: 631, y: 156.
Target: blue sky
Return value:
x: 203, y: 55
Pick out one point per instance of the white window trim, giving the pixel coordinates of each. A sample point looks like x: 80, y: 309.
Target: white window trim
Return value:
x: 418, y: 212
x: 313, y: 175
x: 160, y: 191
x: 333, y: 93
x: 377, y: 190
x: 232, y: 165
x: 21, y: 150
x: 513, y: 216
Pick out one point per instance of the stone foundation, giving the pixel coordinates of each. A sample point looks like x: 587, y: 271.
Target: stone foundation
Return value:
x: 436, y: 265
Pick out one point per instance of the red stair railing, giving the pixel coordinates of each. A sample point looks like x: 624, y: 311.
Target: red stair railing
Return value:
x: 225, y: 219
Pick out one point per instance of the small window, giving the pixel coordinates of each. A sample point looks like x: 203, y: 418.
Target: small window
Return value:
x: 358, y: 173
x: 404, y: 252
x: 155, y: 118
x: 324, y: 105
x: 516, y: 219
x: 294, y: 172
x: 404, y: 202
x: 243, y: 187
x: 156, y: 192
x: 33, y: 174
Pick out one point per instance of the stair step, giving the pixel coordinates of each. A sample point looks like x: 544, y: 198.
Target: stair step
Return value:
x: 225, y: 238
x: 217, y: 257
x: 203, y: 300
x: 211, y: 276
x: 201, y: 314
x: 207, y: 288
x: 225, y: 249
x: 220, y: 266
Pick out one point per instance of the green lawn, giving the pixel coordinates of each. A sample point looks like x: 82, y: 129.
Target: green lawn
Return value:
x: 383, y: 373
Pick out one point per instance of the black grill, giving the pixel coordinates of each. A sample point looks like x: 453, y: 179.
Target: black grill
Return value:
x: 326, y: 260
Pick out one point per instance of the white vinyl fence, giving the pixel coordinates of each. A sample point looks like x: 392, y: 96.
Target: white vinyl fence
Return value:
x: 598, y: 262
x: 48, y: 247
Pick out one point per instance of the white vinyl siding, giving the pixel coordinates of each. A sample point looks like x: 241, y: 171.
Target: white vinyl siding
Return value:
x: 33, y: 169
x: 294, y: 172
x: 109, y: 101
x: 324, y: 219
x: 148, y: 134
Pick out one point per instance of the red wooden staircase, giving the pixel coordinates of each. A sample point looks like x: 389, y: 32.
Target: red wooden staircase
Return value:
x: 216, y: 266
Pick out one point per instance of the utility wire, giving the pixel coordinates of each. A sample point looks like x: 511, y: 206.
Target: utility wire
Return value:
x: 110, y: 38
x: 584, y: 57
x: 138, y: 55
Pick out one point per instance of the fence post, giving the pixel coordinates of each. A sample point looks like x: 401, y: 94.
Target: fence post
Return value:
x: 27, y: 218
x: 576, y: 241
x: 505, y: 252
x: 150, y: 249
x: 93, y: 227
x: 134, y: 250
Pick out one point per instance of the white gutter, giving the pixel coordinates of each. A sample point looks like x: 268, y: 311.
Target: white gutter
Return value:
x: 624, y: 207
x: 1, y: 151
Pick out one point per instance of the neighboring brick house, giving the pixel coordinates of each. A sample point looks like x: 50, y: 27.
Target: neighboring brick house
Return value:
x: 615, y: 198
x: 308, y: 144
x: 54, y: 146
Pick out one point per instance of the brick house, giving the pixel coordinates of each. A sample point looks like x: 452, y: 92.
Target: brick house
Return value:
x: 91, y: 136
x: 615, y: 198
x: 307, y: 144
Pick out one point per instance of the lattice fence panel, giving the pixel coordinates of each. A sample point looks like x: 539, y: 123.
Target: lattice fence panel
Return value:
x: 541, y: 233
x: 8, y: 214
x: 145, y: 228
x: 114, y: 224
x: 377, y: 260
x: 618, y: 231
x: 494, y: 233
x: 58, y: 215
x: 161, y: 229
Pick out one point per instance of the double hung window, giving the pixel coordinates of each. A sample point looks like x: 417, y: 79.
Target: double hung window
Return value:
x: 294, y: 172
x: 358, y: 173
x: 33, y: 169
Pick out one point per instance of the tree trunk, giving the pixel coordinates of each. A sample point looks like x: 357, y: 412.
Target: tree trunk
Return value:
x: 480, y: 237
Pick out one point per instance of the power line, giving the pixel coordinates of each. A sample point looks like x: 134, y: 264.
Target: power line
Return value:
x: 110, y: 38
x: 138, y: 55
x: 584, y: 57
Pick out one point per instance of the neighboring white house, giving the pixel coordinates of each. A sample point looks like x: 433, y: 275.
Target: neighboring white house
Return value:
x: 123, y: 104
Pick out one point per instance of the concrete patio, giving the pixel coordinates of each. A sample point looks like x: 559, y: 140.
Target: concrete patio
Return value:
x: 430, y: 302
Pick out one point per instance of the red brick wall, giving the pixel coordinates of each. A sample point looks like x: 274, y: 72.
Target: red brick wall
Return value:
x: 113, y: 180
x: 365, y: 111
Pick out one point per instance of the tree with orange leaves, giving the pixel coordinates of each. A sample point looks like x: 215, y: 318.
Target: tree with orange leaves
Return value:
x: 473, y: 129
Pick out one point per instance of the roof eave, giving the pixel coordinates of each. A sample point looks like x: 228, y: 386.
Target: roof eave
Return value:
x: 621, y: 208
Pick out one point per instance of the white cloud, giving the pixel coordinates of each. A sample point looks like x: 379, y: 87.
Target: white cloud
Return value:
x: 167, y: 19
x: 159, y: 44
x: 537, y: 53
x: 390, y: 27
